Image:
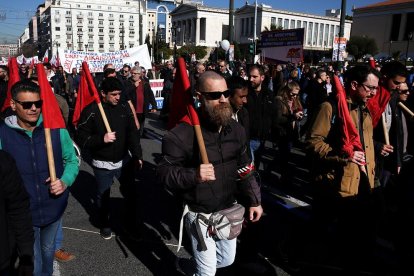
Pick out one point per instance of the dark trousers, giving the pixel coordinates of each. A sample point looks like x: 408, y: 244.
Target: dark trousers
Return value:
x: 141, y: 120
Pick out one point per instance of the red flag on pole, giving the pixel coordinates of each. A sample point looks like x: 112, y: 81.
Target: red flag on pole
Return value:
x: 52, y: 116
x: 377, y: 104
x: 86, y: 95
x: 91, y: 83
x: 350, y: 136
x: 13, y: 78
x: 182, y: 109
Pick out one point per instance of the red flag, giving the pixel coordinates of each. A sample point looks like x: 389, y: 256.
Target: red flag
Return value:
x: 52, y: 116
x: 377, y: 104
x: 349, y: 135
x: 182, y: 109
x: 91, y: 83
x: 13, y: 78
x: 86, y: 94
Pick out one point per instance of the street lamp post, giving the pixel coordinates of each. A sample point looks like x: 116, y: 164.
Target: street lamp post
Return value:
x: 409, y: 38
x: 175, y: 31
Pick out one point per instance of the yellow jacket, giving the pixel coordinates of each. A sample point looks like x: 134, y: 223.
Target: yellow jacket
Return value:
x: 330, y: 166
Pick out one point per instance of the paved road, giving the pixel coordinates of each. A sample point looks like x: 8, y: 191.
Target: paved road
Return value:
x: 262, y: 247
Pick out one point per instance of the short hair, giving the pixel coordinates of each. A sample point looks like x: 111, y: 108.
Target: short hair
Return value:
x: 111, y: 84
x: 5, y: 68
x: 258, y: 68
x: 108, y: 71
x: 24, y: 86
x: 126, y: 66
x: 394, y: 68
x: 359, y: 74
x: 137, y: 68
x: 319, y: 72
x: 107, y: 66
x: 203, y: 77
x: 47, y: 65
x: 236, y: 82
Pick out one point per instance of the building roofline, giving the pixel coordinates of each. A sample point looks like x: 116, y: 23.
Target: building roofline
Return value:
x: 382, y: 4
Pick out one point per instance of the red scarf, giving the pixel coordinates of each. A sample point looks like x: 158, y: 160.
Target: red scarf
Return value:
x: 139, y: 106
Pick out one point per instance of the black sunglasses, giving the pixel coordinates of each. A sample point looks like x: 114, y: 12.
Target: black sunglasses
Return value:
x: 28, y: 105
x: 406, y: 91
x: 216, y: 95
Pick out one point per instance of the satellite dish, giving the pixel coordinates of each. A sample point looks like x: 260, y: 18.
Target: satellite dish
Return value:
x: 225, y: 44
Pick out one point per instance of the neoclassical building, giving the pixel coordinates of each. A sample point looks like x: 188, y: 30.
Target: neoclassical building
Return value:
x: 206, y: 26
x: 389, y: 23
x: 200, y: 25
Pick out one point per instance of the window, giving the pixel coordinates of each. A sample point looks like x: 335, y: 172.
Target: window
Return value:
x: 88, y: 6
x: 109, y: 8
x: 292, y: 24
x: 68, y: 21
x: 90, y: 22
x: 273, y: 21
x: 131, y: 17
x: 111, y: 15
x: 57, y: 36
x: 131, y: 32
x: 69, y: 37
x: 57, y: 29
x: 100, y: 14
x: 131, y: 24
x: 286, y: 24
x: 305, y: 27
x: 315, y: 34
x: 90, y: 30
x: 331, y: 35
x: 101, y: 30
x: 325, y: 39
x: 101, y: 46
x: 79, y: 29
x: 57, y: 12
x: 69, y: 29
x: 111, y: 38
x: 279, y: 22
x: 298, y: 24
x: 320, y: 37
x: 78, y: 6
x: 111, y: 23
x: 90, y: 14
x: 90, y: 36
x: 127, y: 3
x: 80, y: 21
x: 67, y: 12
x: 310, y: 29
x: 121, y: 16
x: 111, y: 31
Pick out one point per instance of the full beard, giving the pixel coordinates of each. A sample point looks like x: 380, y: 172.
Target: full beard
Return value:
x: 220, y: 115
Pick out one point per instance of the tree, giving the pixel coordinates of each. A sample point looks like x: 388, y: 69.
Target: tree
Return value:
x: 358, y: 46
x: 187, y: 50
x: 273, y: 27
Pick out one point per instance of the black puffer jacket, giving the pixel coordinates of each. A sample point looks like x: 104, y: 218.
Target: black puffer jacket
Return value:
x: 227, y: 152
x: 91, y: 132
x: 15, y: 219
x: 261, y: 110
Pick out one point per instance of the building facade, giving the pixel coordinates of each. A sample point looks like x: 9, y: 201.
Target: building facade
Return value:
x: 91, y: 25
x: 8, y: 50
x: 389, y: 23
x: 206, y: 26
x: 200, y: 25
x: 319, y: 30
x: 159, y: 19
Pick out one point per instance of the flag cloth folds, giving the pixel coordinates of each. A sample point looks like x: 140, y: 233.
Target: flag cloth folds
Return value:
x: 13, y: 78
x: 87, y: 93
x: 350, y: 140
x: 182, y: 107
x: 377, y: 104
x: 52, y: 116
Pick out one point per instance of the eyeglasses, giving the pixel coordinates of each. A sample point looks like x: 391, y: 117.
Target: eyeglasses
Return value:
x: 216, y: 94
x: 406, y: 91
x: 222, y: 66
x: 126, y: 71
x: 28, y: 105
x: 134, y: 73
x: 369, y: 87
x: 294, y: 94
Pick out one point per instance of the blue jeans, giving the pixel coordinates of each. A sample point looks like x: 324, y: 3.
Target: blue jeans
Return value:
x: 59, y: 236
x: 105, y: 178
x: 44, y: 248
x: 257, y: 147
x: 219, y: 253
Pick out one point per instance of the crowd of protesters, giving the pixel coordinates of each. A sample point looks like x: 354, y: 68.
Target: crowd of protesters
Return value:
x: 285, y: 104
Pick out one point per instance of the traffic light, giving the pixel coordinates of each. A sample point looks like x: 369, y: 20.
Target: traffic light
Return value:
x: 251, y: 48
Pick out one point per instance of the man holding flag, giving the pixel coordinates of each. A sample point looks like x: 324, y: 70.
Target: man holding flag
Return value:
x: 109, y: 149
x: 210, y: 184
x: 23, y: 136
x: 344, y: 169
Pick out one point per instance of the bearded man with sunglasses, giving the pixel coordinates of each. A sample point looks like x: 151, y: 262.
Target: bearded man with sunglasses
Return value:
x: 22, y: 136
x: 212, y: 187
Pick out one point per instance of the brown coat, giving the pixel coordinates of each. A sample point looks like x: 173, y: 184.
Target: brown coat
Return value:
x: 332, y: 167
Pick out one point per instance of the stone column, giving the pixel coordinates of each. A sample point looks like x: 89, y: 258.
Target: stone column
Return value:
x: 197, y: 31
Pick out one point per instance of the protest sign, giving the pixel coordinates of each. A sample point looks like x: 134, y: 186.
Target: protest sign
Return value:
x: 156, y: 87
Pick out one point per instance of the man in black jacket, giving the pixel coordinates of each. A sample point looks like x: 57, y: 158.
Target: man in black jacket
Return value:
x: 238, y: 88
x: 212, y: 187
x: 141, y: 96
x: 261, y: 109
x: 109, y: 150
x: 15, y: 219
